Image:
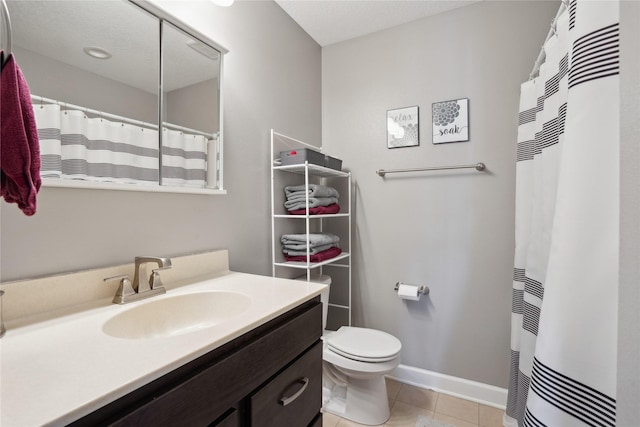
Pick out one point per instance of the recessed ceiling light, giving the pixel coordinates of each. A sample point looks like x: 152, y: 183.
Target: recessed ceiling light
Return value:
x: 97, y: 52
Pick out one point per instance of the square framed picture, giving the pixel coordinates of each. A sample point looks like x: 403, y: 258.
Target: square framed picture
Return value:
x: 403, y: 127
x: 450, y: 121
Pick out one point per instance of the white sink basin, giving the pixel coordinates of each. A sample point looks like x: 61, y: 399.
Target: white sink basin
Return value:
x: 176, y: 315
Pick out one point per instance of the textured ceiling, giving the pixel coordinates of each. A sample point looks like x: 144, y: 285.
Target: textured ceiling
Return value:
x: 333, y: 21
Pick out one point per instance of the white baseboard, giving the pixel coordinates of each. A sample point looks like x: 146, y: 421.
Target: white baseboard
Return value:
x: 470, y: 390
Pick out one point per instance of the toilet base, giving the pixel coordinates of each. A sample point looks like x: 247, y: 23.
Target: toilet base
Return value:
x: 363, y: 401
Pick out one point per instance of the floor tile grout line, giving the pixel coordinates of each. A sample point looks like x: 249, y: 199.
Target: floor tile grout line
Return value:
x: 435, y: 407
x: 460, y: 419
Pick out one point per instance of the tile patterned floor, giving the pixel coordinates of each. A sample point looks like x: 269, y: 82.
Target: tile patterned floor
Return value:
x: 408, y: 402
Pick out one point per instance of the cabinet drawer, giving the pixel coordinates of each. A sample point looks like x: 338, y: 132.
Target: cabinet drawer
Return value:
x: 294, y: 397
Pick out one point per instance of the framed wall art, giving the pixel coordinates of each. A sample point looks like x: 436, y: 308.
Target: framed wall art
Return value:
x: 450, y: 121
x: 403, y: 127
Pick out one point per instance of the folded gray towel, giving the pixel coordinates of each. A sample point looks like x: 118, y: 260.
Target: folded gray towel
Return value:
x: 312, y: 250
x: 314, y: 202
x: 301, y: 197
x: 315, y: 239
x: 314, y: 190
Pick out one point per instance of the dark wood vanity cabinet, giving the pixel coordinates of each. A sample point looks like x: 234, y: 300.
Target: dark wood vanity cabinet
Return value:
x: 270, y: 376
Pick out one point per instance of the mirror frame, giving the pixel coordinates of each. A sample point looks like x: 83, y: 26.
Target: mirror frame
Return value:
x: 163, y: 15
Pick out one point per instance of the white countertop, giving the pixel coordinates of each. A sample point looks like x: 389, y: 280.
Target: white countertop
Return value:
x: 55, y: 371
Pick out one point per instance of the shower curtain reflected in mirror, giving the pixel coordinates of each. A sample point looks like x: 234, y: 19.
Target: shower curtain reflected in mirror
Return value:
x: 74, y: 146
x: 77, y: 147
x: 565, y: 288
x: 184, y: 159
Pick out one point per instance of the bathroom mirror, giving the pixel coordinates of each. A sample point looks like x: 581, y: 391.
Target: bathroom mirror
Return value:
x: 191, y: 104
x: 103, y: 75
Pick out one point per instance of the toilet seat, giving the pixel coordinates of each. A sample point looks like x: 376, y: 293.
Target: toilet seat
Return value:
x: 364, y: 345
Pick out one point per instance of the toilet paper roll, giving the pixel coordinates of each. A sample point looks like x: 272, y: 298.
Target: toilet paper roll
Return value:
x: 408, y: 292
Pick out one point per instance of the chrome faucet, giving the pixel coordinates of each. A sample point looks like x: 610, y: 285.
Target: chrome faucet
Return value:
x: 144, y: 286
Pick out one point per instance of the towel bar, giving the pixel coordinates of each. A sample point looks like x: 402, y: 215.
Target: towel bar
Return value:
x: 477, y: 166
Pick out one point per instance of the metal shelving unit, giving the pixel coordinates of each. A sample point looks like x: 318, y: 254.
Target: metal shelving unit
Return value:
x: 280, y: 221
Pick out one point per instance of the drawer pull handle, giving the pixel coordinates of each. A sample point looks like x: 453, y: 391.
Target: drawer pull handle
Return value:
x: 284, y: 401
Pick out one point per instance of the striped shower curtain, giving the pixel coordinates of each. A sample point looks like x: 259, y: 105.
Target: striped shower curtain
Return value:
x: 48, y: 123
x: 184, y: 159
x: 565, y: 286
x: 96, y: 149
x: 74, y: 146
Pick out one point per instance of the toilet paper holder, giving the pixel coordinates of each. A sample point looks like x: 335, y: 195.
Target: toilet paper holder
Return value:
x: 422, y: 289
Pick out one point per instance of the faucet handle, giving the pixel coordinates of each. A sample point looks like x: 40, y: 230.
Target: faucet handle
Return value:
x: 155, y: 282
x: 125, y: 289
x: 118, y: 277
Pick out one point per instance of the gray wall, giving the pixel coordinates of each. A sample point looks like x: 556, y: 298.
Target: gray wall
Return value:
x: 453, y: 231
x: 271, y: 79
x: 629, y: 292
x: 194, y: 106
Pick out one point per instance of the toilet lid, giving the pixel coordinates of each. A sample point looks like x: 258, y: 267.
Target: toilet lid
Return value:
x: 367, y: 345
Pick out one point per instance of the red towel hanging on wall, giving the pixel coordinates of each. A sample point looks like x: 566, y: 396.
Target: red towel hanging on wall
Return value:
x: 19, y: 145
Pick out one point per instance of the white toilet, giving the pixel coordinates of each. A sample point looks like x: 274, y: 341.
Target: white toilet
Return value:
x: 355, y: 361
